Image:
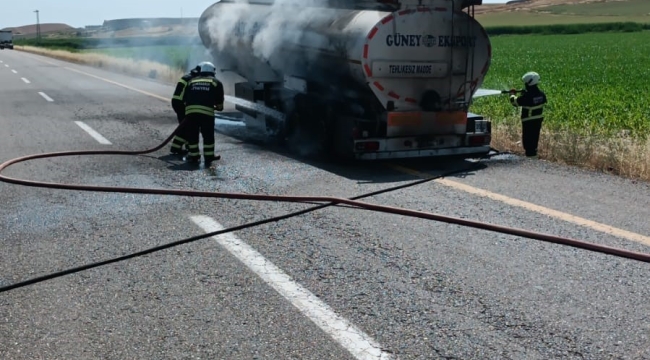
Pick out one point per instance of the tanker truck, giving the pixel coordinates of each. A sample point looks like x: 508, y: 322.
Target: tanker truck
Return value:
x: 357, y: 79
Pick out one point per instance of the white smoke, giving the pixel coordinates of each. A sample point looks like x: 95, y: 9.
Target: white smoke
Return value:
x: 268, y: 33
x: 285, y: 37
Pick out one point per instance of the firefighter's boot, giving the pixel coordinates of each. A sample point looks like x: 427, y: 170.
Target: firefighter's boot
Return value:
x: 177, y: 146
x: 194, y: 155
x: 194, y: 160
x: 210, y: 158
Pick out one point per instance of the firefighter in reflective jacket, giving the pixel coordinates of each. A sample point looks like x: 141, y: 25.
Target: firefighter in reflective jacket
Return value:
x: 203, y: 95
x: 532, y: 103
x: 180, y: 139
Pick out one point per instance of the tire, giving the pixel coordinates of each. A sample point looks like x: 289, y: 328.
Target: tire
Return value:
x: 308, y: 129
x: 342, y: 142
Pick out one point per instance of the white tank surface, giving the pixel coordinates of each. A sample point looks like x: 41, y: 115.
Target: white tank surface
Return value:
x: 410, y: 55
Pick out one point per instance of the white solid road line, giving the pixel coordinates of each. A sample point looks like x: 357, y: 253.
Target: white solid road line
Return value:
x: 14, y: 71
x: 359, y: 344
x: 25, y: 80
x: 44, y: 95
x: 97, y: 136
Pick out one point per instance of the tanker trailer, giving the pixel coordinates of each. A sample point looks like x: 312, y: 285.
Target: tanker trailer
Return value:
x: 360, y: 79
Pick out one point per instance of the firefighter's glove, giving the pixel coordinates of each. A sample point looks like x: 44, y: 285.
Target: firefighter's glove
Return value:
x: 513, y: 92
x: 219, y: 107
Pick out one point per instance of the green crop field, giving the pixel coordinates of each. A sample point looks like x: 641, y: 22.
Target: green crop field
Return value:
x: 597, y: 84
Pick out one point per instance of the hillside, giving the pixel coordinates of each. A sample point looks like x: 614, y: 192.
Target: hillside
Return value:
x: 46, y: 28
x: 536, y: 5
x: 543, y: 12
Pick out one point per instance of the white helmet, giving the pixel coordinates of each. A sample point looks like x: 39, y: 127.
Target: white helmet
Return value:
x: 207, y: 67
x: 530, y: 78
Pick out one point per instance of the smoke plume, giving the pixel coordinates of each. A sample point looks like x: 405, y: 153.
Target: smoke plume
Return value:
x: 268, y: 34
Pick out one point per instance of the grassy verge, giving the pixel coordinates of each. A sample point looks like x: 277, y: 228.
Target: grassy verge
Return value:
x: 130, y: 66
x: 177, y: 57
x: 619, y: 155
x: 81, y: 43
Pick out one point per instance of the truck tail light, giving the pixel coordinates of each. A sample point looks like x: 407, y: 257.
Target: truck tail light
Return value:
x: 477, y: 140
x: 367, y: 146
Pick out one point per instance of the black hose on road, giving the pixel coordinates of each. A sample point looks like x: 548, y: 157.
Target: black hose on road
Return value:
x: 327, y: 200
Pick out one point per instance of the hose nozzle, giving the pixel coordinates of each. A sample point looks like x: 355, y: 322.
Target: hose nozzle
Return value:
x: 509, y: 91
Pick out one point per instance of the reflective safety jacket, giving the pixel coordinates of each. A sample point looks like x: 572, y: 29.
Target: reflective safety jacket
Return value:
x: 532, y: 103
x: 177, y: 98
x: 203, y: 95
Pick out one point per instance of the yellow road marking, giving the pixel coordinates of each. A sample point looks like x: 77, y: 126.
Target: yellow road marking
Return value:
x: 532, y: 207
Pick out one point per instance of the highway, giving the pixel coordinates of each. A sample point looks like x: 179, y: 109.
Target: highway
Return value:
x: 337, y: 283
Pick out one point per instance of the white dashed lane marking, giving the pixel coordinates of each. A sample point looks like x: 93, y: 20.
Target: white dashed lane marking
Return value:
x: 25, y: 80
x: 44, y: 95
x: 358, y: 343
x: 97, y: 136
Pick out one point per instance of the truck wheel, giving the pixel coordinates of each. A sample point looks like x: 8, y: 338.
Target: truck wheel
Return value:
x: 342, y: 142
x: 307, y: 127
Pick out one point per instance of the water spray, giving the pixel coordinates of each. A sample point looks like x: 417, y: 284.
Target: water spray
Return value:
x: 489, y: 92
x: 255, y: 106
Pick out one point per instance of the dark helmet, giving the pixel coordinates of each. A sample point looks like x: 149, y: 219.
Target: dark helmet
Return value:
x: 195, y: 71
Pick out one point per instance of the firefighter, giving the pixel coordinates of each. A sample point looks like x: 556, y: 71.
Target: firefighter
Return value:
x: 532, y: 101
x: 180, y: 139
x: 203, y: 95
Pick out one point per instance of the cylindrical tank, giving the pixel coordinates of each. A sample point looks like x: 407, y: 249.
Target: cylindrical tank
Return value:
x: 413, y: 57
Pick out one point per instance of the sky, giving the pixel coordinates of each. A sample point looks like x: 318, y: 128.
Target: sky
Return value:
x: 79, y: 13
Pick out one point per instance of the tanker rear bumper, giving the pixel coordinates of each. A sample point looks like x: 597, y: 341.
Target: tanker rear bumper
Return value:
x: 420, y: 153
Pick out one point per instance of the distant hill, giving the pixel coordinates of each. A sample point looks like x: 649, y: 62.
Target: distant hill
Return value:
x: 541, y: 5
x: 547, y: 12
x: 46, y: 28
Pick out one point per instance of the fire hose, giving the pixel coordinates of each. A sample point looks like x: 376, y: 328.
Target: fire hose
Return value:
x: 326, y: 200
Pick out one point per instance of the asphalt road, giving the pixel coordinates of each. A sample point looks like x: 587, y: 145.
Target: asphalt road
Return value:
x: 337, y: 283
